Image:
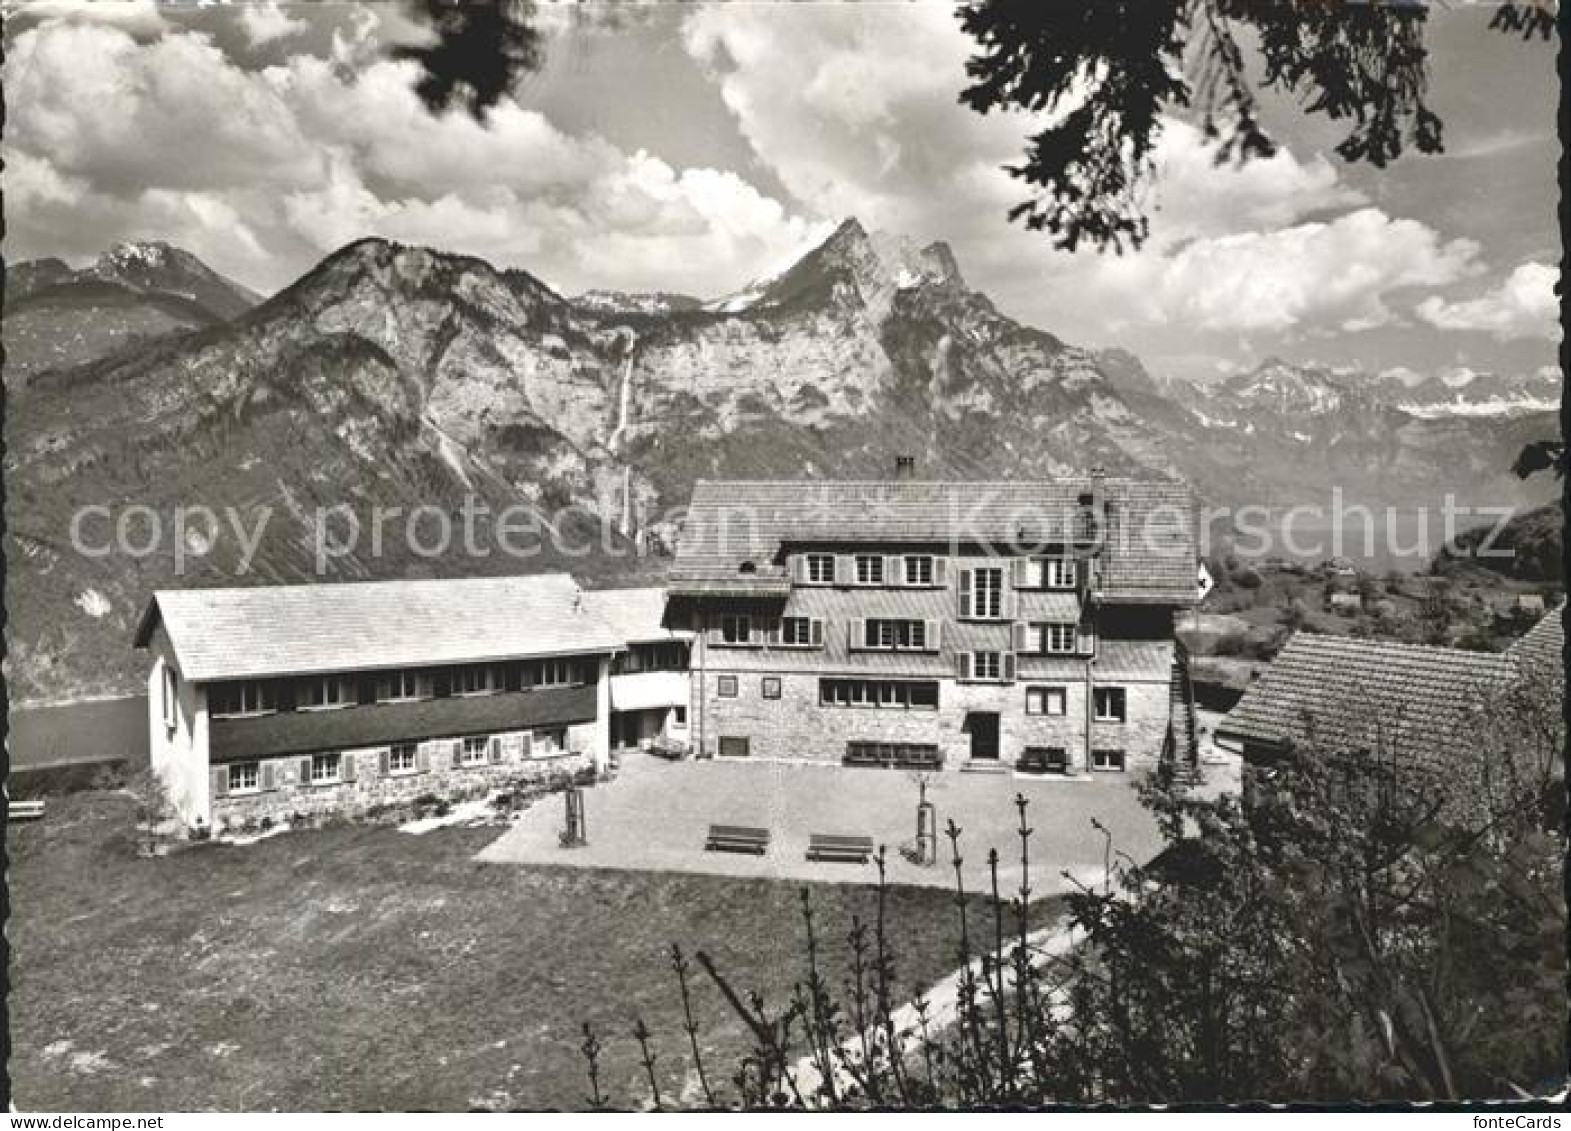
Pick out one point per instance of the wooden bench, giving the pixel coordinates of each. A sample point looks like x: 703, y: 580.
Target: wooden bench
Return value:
x: 26, y: 811
x: 845, y: 849
x: 737, y: 838
x: 1038, y: 760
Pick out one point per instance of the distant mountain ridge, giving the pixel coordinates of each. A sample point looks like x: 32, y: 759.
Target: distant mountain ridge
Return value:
x: 395, y: 376
x: 57, y: 316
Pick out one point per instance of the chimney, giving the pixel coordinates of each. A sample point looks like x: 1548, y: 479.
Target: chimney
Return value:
x: 905, y: 467
x: 1093, y: 505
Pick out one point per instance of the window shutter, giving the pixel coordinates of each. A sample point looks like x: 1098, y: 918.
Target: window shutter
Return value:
x: 931, y: 631
x: 305, y: 771
x: 940, y: 573
x: 965, y: 593
x: 894, y: 570
x: 346, y: 767
x: 423, y: 758
x: 529, y: 744
x: 456, y: 749
x: 1008, y: 667
x: 798, y: 569
x: 856, y: 634
x: 816, y: 628
x: 1022, y: 637
x: 382, y: 768
x: 268, y: 777
x: 1009, y: 604
x: 845, y: 569
x: 962, y: 665
x: 496, y: 749
x: 1021, y: 571
x: 220, y: 781
x: 1085, y: 639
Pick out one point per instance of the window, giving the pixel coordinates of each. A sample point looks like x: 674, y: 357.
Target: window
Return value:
x: 986, y: 665
x: 919, y: 569
x: 771, y: 687
x: 820, y: 569
x: 679, y: 716
x: 325, y: 767
x: 732, y: 746
x: 986, y: 595
x: 398, y: 687
x: 401, y: 758
x: 548, y: 740
x: 726, y: 687
x: 475, y: 749
x: 474, y: 679
x: 1109, y: 704
x: 1107, y: 759
x: 1056, y: 638
x: 556, y: 673
x: 319, y: 694
x: 1058, y: 573
x: 1046, y: 701
x: 230, y: 699
x: 171, y: 687
x: 736, y: 629
x: 797, y: 632
x: 901, y: 694
x: 869, y: 569
x: 907, y: 635
x: 245, y: 777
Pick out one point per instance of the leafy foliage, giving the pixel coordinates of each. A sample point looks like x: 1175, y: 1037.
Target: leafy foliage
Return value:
x: 1107, y: 72
x: 1344, y: 929
x: 481, y: 48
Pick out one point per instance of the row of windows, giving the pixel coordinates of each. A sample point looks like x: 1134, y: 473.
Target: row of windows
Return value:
x: 1055, y: 759
x: 260, y: 697
x: 905, y: 694
x: 1109, y: 704
x: 1037, y: 638
x: 398, y: 760
x: 927, y: 570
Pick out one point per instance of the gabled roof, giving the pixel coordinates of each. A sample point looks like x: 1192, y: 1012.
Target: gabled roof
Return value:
x: 281, y: 630
x: 636, y: 615
x: 1357, y: 694
x: 737, y: 532
x: 1543, y: 648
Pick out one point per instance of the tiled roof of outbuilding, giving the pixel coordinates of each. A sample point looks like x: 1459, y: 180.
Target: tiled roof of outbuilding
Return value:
x: 1353, y: 694
x: 736, y: 531
x: 282, y: 630
x: 1544, y: 645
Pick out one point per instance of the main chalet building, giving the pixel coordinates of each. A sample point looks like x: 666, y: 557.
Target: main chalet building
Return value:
x: 1023, y: 625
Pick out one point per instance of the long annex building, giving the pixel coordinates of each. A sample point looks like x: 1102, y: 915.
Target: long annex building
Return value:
x: 939, y: 624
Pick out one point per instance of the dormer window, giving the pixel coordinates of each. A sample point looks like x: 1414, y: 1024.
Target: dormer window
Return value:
x: 820, y: 569
x: 869, y: 569
x: 747, y: 567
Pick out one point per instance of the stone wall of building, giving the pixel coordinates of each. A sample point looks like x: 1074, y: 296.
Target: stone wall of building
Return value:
x: 796, y: 726
x: 282, y: 794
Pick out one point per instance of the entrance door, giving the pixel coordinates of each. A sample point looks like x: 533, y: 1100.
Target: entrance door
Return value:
x: 982, y: 726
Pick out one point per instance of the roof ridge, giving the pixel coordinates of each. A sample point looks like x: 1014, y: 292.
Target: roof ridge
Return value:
x: 1357, y: 642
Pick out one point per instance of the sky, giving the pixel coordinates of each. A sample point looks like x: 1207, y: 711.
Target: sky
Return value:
x: 694, y: 147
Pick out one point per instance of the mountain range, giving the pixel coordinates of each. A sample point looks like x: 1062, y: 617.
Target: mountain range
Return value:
x: 395, y: 376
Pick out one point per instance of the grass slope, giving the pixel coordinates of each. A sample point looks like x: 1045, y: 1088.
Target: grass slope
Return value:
x: 362, y: 968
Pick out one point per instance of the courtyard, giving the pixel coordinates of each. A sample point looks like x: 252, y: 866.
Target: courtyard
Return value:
x: 654, y: 817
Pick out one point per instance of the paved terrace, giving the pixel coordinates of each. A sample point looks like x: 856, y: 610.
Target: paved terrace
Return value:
x: 655, y: 815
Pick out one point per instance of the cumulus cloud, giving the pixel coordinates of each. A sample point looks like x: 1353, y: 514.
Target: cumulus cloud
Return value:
x: 1522, y: 305
x: 267, y: 22
x: 293, y: 160
x: 855, y: 109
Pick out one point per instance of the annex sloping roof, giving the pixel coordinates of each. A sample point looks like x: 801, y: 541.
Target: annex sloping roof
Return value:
x: 736, y: 532
x: 281, y: 630
x: 1356, y: 694
x: 635, y: 614
x: 1544, y: 645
